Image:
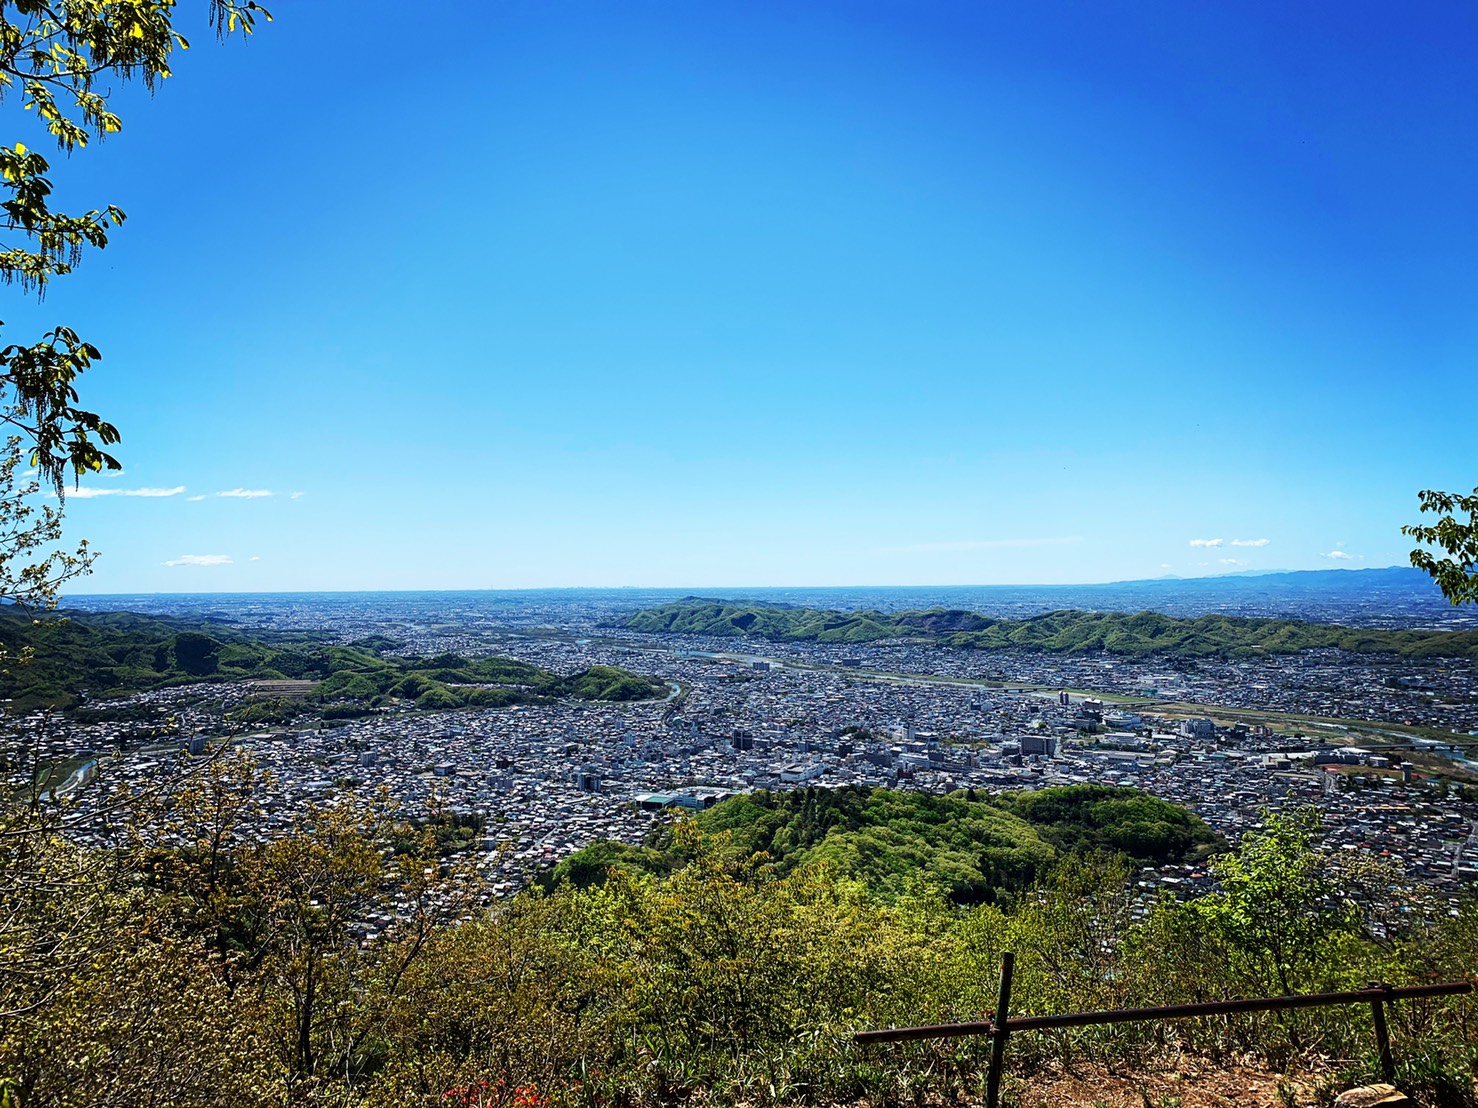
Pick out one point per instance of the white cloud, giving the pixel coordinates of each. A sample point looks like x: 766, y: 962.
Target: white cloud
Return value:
x: 200, y: 560
x: 1250, y: 542
x: 246, y: 494
x: 297, y: 496
x: 1207, y: 542
x: 1338, y: 556
x: 112, y: 473
x: 152, y: 492
x: 192, y: 498
x: 255, y: 558
x: 1232, y: 561
x: 87, y: 492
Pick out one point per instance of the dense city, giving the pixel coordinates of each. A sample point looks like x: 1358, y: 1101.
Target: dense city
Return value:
x: 1227, y: 739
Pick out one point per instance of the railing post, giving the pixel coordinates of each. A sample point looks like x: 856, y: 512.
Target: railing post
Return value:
x: 1382, y: 1036
x: 999, y: 1035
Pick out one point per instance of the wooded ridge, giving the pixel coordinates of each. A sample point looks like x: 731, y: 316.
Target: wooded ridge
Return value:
x: 1138, y: 634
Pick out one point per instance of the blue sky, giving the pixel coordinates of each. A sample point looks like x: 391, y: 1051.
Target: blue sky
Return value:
x: 534, y: 294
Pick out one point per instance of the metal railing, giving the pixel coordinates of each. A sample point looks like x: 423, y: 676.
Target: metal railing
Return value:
x: 1004, y: 1024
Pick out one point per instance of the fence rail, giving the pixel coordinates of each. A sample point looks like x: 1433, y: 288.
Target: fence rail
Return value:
x: 1001, y: 1027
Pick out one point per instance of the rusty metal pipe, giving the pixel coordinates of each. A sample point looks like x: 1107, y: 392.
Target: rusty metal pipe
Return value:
x: 1169, y: 1011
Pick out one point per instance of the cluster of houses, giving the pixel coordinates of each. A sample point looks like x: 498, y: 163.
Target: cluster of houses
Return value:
x: 539, y: 781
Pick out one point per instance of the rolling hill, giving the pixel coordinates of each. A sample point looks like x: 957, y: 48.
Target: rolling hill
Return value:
x: 1064, y: 632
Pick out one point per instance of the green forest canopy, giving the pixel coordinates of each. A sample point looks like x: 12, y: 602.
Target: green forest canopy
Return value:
x: 88, y: 656
x: 217, y: 968
x: 1138, y: 634
x: 971, y: 848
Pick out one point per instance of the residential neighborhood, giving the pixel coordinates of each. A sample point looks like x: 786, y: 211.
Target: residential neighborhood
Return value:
x: 542, y: 780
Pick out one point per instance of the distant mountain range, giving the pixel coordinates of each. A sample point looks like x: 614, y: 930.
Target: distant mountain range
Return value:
x: 1135, y: 634
x: 1390, y: 598
x: 1400, y: 578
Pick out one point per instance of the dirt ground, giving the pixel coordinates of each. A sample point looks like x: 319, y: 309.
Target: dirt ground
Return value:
x: 1190, y: 1086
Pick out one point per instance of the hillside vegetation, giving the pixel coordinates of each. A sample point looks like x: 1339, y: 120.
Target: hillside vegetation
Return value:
x: 213, y: 968
x: 971, y: 850
x: 87, y: 657
x: 1142, y: 634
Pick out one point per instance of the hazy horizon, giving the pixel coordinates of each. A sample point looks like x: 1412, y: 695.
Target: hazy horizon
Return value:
x: 773, y: 586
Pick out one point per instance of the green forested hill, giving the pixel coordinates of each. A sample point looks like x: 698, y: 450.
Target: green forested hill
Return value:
x: 971, y: 848
x: 92, y: 656
x: 608, y: 683
x: 1077, y: 818
x: 1144, y: 633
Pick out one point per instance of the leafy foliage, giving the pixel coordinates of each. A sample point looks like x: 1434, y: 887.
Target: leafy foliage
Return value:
x: 59, y: 57
x: 1278, y: 900
x: 348, y: 962
x: 1066, y: 632
x: 590, y: 866
x: 1457, y: 574
x: 1087, y: 818
x: 970, y: 850
x: 33, y: 564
